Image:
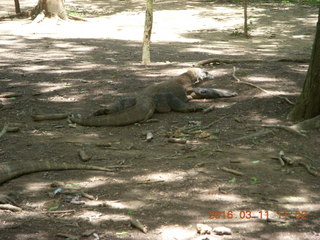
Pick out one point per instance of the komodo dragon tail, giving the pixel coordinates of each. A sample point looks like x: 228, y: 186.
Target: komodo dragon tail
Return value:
x: 15, y: 169
x: 141, y: 111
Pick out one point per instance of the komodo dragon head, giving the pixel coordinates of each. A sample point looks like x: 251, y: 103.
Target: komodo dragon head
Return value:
x: 198, y: 76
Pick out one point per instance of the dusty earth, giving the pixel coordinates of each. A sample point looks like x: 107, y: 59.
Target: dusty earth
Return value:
x: 76, y: 67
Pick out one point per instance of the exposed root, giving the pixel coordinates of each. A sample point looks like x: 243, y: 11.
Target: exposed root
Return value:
x: 216, y: 61
x: 286, y: 128
x: 301, y: 127
x: 260, y: 88
x: 4, y: 130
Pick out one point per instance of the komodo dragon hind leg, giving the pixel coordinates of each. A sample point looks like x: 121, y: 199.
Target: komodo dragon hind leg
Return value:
x: 166, y: 102
x: 118, y: 106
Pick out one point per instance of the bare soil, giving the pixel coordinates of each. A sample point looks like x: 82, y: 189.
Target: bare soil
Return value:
x: 76, y: 67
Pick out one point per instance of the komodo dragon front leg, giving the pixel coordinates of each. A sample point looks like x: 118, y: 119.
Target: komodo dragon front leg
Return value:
x: 118, y: 106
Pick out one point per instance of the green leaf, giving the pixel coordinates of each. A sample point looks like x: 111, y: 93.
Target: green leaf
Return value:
x: 254, y: 180
x: 232, y: 180
x: 54, y: 207
x: 214, y: 137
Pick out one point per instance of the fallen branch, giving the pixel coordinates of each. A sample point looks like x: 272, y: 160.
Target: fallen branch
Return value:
x: 260, y: 88
x: 77, y: 18
x: 235, y: 172
x: 311, y: 171
x: 253, y: 135
x: 4, y: 130
x: 137, y: 224
x: 10, y: 207
x: 216, y: 61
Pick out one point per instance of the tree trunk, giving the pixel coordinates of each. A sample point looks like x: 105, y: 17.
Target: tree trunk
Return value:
x: 245, y: 16
x: 308, y: 105
x: 50, y: 8
x: 147, y: 33
x: 17, y: 6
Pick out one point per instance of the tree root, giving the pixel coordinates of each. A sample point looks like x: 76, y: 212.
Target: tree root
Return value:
x: 301, y: 127
x: 216, y: 61
x: 260, y: 88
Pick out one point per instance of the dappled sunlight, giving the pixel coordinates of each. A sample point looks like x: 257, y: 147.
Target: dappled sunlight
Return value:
x: 175, y: 232
x: 163, y: 176
x: 221, y: 197
x: 97, y: 217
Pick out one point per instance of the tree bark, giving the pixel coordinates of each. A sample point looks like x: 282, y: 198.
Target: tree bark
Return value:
x: 17, y: 6
x: 50, y: 8
x: 308, y: 105
x: 245, y: 16
x: 147, y: 33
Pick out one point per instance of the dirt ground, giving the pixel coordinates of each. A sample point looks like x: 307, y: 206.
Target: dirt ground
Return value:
x: 77, y: 67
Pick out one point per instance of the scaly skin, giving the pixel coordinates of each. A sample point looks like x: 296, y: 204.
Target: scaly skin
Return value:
x: 15, y: 169
x: 174, y: 97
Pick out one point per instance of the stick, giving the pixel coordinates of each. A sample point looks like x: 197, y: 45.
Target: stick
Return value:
x: 260, y: 88
x: 257, y: 134
x: 307, y: 167
x: 216, y: 61
x: 4, y: 130
x: 235, y: 172
x: 137, y: 224
x: 10, y: 207
x: 289, y: 129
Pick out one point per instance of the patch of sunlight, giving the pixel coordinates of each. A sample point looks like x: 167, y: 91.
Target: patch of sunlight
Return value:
x: 221, y: 197
x: 163, y: 176
x: 50, y: 87
x: 271, y: 121
x: 204, y: 50
x: 96, y: 217
x: 261, y: 79
x: 36, y: 186
x: 309, y: 207
x: 300, y: 36
x: 176, y: 232
x: 294, y: 199
x: 63, y: 99
x: 124, y: 205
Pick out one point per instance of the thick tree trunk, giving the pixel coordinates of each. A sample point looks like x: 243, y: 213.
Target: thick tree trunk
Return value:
x: 50, y: 8
x: 147, y: 33
x: 308, y: 105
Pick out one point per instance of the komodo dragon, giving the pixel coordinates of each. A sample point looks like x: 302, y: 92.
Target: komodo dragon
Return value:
x: 166, y: 96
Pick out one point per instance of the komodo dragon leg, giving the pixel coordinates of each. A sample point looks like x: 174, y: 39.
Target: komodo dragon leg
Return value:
x: 15, y: 169
x: 211, y: 93
x: 118, y: 106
